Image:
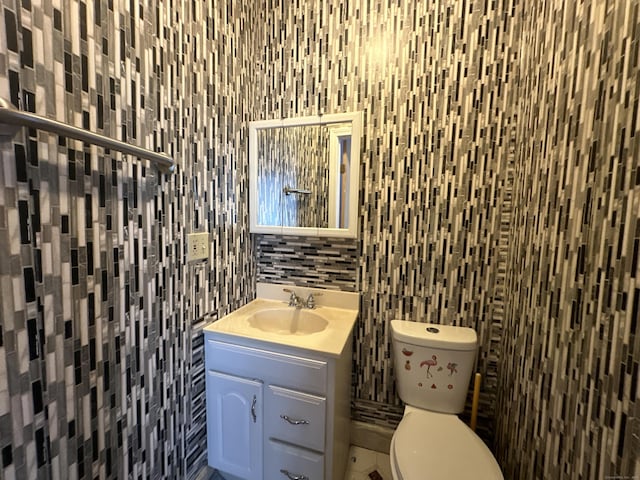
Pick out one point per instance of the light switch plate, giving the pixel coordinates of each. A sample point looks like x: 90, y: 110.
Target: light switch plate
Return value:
x: 197, y: 246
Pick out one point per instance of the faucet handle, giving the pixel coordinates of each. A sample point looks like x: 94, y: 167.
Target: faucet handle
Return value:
x: 294, y: 300
x: 311, y: 301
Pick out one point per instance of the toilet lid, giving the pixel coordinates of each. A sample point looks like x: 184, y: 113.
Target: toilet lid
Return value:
x: 429, y: 445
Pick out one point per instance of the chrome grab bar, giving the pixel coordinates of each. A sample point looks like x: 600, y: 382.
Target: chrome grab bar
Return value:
x: 294, y: 422
x: 11, y: 117
x: 287, y: 191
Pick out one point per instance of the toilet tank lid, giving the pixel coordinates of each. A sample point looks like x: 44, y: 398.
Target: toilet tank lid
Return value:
x: 434, y: 335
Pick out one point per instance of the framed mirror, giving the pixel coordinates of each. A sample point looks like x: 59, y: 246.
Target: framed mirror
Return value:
x: 304, y: 175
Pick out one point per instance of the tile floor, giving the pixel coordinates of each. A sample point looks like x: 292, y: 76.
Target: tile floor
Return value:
x: 361, y: 465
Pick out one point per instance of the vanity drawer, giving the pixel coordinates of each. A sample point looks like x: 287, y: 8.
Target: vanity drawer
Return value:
x: 280, y: 459
x: 294, y: 417
x: 282, y: 369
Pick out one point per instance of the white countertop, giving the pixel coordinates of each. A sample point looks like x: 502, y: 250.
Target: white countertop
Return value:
x: 330, y: 341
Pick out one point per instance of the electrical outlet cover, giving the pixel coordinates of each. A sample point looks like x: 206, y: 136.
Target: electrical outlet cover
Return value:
x: 197, y: 246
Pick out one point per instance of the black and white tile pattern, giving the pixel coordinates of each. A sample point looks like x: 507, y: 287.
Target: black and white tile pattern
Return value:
x: 500, y: 185
x: 101, y: 370
x: 571, y: 345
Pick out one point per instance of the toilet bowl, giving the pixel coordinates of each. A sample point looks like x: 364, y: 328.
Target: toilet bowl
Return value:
x: 433, y: 366
x: 437, y: 446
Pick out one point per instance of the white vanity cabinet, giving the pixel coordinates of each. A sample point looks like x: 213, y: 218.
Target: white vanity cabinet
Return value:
x: 276, y: 412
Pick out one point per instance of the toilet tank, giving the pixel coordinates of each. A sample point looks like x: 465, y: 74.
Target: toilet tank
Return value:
x: 433, y: 364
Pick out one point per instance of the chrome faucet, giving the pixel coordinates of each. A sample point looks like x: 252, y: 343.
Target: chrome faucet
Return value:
x: 294, y: 299
x: 297, y: 302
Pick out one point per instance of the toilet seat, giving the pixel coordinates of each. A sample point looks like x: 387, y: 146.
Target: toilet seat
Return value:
x: 438, y: 446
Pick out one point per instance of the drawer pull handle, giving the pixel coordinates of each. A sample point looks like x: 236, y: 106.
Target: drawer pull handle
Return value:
x: 253, y: 408
x: 294, y: 422
x: 293, y: 476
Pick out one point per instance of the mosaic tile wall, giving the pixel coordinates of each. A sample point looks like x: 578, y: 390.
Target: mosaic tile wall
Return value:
x: 500, y: 191
x: 430, y: 78
x: 100, y: 347
x: 569, y: 373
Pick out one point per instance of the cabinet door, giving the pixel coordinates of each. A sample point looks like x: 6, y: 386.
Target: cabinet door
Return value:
x: 234, y: 425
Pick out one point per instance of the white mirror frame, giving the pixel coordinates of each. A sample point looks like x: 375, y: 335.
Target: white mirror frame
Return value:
x: 354, y: 175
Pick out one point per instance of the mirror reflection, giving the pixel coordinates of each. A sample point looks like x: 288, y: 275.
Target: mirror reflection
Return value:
x: 303, y: 175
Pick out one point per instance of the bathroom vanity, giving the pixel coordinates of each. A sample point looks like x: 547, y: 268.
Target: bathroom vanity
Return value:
x: 278, y: 387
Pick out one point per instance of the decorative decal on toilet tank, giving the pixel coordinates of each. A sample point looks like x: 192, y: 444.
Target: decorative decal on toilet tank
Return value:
x: 406, y: 352
x: 433, y: 368
x: 430, y: 363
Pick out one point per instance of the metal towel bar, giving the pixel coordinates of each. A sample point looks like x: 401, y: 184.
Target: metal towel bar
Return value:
x: 288, y: 190
x: 11, y: 117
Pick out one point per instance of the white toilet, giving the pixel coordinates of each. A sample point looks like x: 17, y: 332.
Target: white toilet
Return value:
x: 433, y: 368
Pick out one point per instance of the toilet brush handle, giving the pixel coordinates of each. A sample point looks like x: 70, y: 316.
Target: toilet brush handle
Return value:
x: 476, y: 398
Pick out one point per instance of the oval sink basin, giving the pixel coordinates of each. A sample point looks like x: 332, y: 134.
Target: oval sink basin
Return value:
x: 288, y: 321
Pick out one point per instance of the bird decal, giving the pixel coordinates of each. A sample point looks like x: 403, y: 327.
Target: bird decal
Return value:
x: 452, y: 368
x: 430, y: 363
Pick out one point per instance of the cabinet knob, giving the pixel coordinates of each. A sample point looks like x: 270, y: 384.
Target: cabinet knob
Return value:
x: 294, y: 422
x: 293, y: 476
